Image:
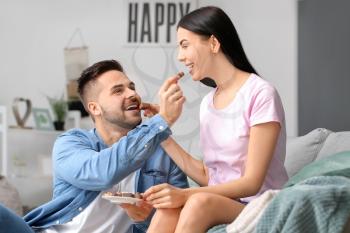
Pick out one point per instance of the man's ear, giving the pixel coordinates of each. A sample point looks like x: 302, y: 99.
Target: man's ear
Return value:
x: 94, y: 108
x: 214, y: 44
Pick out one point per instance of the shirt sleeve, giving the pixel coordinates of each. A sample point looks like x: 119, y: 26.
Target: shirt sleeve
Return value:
x: 79, y: 164
x: 177, y: 177
x: 266, y: 107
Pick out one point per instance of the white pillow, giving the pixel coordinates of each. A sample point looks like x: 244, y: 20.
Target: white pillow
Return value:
x: 304, y: 149
x: 335, y: 143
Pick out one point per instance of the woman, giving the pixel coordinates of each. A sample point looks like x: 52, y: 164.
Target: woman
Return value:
x: 242, y: 131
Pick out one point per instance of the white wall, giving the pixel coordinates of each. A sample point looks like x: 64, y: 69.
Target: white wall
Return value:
x: 34, y: 33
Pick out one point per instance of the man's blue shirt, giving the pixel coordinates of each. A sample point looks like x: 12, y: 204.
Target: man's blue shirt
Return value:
x: 84, y: 166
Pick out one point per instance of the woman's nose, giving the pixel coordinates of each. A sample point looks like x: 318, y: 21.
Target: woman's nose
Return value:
x: 180, y: 56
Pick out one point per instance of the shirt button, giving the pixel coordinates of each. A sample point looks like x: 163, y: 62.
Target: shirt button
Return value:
x: 161, y: 127
x: 80, y: 209
x: 58, y: 222
x: 146, y: 146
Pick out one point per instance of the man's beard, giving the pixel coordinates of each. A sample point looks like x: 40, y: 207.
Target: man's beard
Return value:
x: 121, y: 121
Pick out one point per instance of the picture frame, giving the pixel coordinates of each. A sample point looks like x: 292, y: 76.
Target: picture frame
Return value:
x: 42, y: 118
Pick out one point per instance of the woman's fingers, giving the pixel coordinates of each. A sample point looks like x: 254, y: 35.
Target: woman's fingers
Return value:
x: 165, y: 196
x: 154, y: 189
x: 163, y: 205
x: 160, y: 200
x: 160, y: 194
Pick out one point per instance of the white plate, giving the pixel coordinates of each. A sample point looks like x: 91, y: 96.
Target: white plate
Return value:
x: 120, y: 200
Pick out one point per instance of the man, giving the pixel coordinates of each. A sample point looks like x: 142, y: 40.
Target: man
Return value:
x: 119, y: 154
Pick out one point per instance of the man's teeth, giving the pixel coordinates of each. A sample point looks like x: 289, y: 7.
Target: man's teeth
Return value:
x: 132, y: 107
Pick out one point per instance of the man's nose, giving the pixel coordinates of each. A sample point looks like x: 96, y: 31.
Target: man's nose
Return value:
x: 131, y: 93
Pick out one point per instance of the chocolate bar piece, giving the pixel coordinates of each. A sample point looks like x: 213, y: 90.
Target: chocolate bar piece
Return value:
x: 124, y: 194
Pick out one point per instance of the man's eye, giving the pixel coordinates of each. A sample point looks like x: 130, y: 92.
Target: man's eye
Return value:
x: 117, y: 91
x: 132, y: 88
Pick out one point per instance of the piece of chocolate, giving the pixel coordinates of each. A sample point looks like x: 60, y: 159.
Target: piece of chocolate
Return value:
x: 124, y: 194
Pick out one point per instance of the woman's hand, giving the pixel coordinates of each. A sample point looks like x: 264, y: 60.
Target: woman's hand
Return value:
x: 165, y: 196
x: 138, y: 212
x: 149, y: 109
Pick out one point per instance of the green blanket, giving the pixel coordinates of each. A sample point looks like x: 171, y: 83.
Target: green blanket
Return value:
x: 318, y: 204
x: 316, y: 199
x: 333, y: 165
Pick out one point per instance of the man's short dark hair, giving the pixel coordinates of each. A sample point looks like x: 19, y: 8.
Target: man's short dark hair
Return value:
x: 91, y: 74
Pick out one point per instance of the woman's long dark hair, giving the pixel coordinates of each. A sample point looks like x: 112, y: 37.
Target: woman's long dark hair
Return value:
x: 211, y: 20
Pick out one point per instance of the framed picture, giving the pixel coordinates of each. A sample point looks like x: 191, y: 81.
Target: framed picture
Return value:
x: 42, y: 119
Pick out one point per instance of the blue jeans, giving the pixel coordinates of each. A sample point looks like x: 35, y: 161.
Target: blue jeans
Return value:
x: 12, y: 223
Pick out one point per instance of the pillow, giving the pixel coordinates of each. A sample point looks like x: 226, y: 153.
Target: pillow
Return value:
x: 333, y: 165
x: 335, y: 143
x: 303, y: 150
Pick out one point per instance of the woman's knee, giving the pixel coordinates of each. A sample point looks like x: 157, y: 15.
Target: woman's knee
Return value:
x: 198, y: 201
x: 196, y: 206
x: 193, y: 215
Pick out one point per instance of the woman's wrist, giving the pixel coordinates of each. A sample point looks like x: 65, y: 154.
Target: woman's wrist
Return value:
x: 188, y: 192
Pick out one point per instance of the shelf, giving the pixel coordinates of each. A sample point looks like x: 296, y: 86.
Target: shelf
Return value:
x: 29, y: 165
x: 33, y: 191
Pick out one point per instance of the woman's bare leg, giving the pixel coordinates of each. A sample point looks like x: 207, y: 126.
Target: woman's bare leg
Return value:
x: 204, y: 210
x: 164, y: 221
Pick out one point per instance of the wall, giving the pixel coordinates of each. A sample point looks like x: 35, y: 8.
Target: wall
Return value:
x: 34, y: 33
x: 268, y: 31
x: 323, y: 61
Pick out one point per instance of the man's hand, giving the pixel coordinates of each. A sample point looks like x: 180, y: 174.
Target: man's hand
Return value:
x: 171, y: 99
x: 138, y: 212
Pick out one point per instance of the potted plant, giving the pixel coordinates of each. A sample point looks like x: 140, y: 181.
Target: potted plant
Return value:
x: 59, y: 108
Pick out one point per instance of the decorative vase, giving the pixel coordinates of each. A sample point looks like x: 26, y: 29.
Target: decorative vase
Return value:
x: 21, y: 120
x: 59, y: 125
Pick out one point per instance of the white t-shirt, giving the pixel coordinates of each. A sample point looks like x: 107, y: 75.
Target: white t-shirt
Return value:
x: 101, y: 216
x: 225, y: 133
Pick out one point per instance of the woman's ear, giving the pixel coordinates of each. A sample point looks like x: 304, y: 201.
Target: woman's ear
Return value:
x: 94, y: 108
x: 214, y: 44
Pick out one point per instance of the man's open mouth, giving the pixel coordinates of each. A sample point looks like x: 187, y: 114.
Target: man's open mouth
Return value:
x: 132, y: 107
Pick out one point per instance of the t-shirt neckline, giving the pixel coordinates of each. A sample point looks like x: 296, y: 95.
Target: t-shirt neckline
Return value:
x: 211, y: 103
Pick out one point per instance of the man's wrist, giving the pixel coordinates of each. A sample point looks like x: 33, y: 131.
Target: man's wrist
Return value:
x: 166, y: 142
x: 167, y: 119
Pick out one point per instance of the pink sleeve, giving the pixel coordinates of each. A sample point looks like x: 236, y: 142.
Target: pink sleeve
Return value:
x: 266, y: 107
